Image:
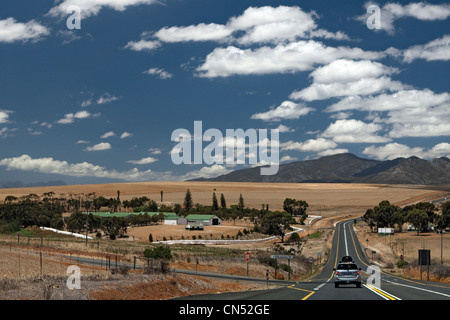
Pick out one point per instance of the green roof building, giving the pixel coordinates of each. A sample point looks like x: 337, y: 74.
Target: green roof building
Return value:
x: 204, y: 219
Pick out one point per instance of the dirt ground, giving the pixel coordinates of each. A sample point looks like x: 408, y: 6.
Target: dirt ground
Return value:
x: 133, y: 286
x: 178, y: 232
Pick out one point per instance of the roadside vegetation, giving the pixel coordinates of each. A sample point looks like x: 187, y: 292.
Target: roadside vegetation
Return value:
x: 21, y: 236
x: 422, y: 216
x: 423, y: 225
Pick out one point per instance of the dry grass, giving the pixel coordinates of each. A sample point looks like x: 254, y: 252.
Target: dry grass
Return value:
x: 389, y: 248
x: 323, y: 198
x: 179, y: 232
x: 167, y: 287
x: 407, y: 244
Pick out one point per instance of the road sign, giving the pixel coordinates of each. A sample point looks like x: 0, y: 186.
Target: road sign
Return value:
x: 280, y: 256
x: 247, y: 256
x: 424, y: 257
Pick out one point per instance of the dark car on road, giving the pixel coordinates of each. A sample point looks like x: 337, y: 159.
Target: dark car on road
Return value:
x: 347, y: 273
x: 346, y: 259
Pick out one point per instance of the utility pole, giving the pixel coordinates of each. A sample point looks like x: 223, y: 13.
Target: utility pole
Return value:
x: 87, y: 204
x: 87, y: 216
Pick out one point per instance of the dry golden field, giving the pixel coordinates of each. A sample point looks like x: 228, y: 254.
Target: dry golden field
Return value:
x: 323, y: 199
x: 332, y: 201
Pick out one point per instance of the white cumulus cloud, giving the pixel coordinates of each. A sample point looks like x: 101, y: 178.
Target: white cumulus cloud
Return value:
x: 287, y: 110
x: 354, y: 131
x: 147, y: 160
x: 395, y: 150
x: 92, y: 7
x: 435, y: 50
x: 12, y: 31
x: 83, y: 169
x: 160, y: 73
x: 393, y: 11
x: 99, y: 147
x: 344, y: 77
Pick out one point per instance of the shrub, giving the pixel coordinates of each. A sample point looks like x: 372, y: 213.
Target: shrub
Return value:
x: 401, y: 264
x: 314, y: 235
x: 268, y: 261
x: 441, y: 271
x: 285, y: 267
x: 159, y: 252
x: 123, y: 270
x: 294, y: 237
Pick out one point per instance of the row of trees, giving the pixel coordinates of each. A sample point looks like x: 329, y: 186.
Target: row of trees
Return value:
x: 420, y: 215
x: 29, y: 212
x: 111, y: 226
x: 46, y: 210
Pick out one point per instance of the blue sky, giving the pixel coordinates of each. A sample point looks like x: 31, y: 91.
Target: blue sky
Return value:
x: 99, y: 104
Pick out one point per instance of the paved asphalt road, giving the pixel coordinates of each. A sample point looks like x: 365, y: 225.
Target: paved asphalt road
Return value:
x: 321, y: 287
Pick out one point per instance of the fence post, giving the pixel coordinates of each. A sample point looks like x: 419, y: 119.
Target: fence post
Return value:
x: 40, y: 262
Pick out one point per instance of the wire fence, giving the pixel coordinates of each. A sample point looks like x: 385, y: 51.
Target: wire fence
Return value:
x: 25, y: 257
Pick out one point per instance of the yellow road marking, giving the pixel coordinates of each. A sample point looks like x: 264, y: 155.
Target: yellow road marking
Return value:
x: 300, y: 289
x: 385, y: 294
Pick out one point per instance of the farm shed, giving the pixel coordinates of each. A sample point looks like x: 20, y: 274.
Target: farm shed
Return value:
x: 204, y: 219
x: 174, y: 220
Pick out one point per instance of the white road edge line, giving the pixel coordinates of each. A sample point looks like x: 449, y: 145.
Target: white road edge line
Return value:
x: 321, y: 285
x: 345, y: 240
x: 405, y: 285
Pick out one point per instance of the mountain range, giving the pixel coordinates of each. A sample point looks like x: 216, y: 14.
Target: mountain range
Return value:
x: 20, y: 184
x: 348, y: 168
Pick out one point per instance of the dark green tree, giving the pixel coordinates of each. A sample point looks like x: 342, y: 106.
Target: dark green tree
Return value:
x: 295, y: 207
x: 444, y: 218
x: 418, y: 218
x: 188, y: 203
x: 223, y: 203
x: 276, y: 223
x: 241, y: 204
x: 76, y: 222
x: 215, y: 204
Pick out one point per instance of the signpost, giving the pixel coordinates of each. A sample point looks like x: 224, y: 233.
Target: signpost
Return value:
x: 424, y: 260
x: 311, y: 261
x: 247, y: 259
x: 280, y: 256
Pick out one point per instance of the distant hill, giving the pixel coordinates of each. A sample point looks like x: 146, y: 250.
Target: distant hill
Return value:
x: 20, y: 184
x: 348, y: 168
